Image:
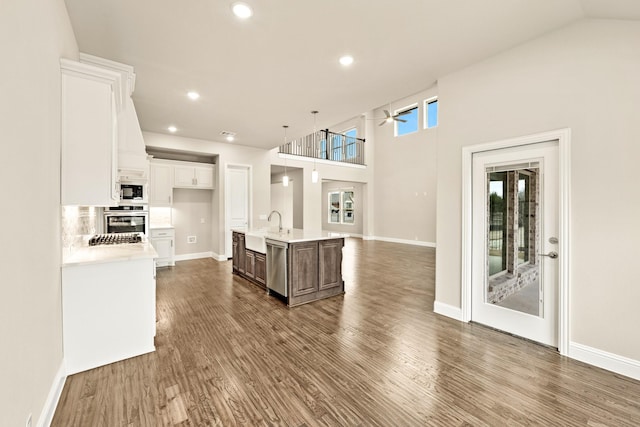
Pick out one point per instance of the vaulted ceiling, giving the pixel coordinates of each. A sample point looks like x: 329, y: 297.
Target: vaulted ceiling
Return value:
x: 272, y: 69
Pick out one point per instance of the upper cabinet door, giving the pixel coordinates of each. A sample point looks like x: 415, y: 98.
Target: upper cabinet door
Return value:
x: 184, y: 176
x: 160, y: 186
x: 187, y: 176
x: 204, y: 177
x: 89, y: 135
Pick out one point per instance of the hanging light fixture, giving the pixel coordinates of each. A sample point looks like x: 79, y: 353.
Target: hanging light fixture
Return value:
x: 314, y: 172
x: 285, y: 178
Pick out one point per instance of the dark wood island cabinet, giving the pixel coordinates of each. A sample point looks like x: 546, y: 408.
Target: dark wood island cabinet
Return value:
x: 315, y: 270
x: 313, y: 265
x: 247, y: 263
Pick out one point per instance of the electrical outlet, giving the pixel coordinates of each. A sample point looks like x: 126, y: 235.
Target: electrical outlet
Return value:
x: 191, y: 239
x: 201, y: 220
x: 28, y: 424
x: 263, y: 216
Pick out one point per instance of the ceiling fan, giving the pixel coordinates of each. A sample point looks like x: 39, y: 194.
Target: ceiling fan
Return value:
x: 389, y: 117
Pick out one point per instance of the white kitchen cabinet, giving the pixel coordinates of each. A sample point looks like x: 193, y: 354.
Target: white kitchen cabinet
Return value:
x: 160, y: 184
x: 188, y: 176
x: 163, y: 241
x: 90, y: 105
x: 108, y: 312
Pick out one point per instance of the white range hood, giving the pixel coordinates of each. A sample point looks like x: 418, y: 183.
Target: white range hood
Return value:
x: 133, y: 161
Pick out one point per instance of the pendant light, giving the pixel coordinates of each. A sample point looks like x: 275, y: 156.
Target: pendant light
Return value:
x: 314, y: 172
x: 285, y: 178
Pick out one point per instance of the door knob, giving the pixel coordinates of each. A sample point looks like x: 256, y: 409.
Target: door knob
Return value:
x: 552, y: 254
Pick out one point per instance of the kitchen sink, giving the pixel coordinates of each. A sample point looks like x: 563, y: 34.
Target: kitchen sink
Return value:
x: 255, y: 241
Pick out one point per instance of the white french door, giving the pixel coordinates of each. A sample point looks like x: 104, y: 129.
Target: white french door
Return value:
x: 515, y: 220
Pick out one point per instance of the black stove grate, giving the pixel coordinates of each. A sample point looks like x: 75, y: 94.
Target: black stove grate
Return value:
x: 114, y: 239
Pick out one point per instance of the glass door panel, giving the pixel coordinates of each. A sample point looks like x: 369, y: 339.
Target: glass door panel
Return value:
x: 513, y: 274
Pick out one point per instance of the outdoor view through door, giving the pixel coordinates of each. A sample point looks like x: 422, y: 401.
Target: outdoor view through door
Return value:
x: 513, y: 221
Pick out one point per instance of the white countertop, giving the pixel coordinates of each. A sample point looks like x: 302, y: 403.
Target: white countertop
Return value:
x: 108, y: 253
x: 160, y: 226
x: 294, y: 235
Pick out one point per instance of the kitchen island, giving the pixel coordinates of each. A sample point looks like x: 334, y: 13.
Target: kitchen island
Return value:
x: 297, y: 266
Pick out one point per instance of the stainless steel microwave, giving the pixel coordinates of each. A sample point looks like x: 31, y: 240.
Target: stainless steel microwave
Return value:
x: 132, y: 192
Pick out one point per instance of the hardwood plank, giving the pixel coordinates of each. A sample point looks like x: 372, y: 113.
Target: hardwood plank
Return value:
x: 227, y: 354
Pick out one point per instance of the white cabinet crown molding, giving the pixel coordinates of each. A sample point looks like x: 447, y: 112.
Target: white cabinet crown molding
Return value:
x: 75, y: 68
x: 127, y: 71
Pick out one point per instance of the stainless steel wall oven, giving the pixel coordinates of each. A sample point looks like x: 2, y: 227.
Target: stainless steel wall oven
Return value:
x: 127, y: 219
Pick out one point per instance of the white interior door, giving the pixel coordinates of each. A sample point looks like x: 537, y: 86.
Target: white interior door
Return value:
x: 236, y: 202
x: 515, y: 240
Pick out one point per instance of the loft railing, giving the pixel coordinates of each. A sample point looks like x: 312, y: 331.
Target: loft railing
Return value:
x: 327, y: 145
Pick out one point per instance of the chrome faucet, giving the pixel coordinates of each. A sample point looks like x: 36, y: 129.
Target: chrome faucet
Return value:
x: 279, y: 220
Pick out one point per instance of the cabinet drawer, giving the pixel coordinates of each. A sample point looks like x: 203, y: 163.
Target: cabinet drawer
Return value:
x: 166, y: 232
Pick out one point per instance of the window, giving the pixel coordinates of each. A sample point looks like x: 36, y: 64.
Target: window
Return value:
x: 410, y: 120
x: 350, y: 143
x: 431, y: 113
x: 341, y: 207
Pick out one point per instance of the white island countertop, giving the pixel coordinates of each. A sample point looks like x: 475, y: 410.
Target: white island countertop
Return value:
x: 84, y: 255
x: 293, y: 235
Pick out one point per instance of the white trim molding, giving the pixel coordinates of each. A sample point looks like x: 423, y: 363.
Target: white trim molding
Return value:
x: 49, y: 408
x: 605, y: 360
x: 563, y: 136
x: 199, y: 255
x: 403, y: 241
x: 219, y: 257
x: 447, y: 310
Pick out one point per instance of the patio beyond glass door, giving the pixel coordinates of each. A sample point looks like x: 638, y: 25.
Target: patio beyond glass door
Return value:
x: 514, y: 223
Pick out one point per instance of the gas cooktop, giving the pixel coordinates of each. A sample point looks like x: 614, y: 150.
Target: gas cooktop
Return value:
x: 115, y: 239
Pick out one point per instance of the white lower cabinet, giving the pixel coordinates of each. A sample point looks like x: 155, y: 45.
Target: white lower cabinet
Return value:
x: 163, y: 241
x: 108, y: 312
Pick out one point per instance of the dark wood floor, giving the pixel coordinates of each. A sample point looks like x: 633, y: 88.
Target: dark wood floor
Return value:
x: 227, y: 354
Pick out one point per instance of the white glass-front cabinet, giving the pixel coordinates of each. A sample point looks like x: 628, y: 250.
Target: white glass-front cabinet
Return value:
x: 90, y: 105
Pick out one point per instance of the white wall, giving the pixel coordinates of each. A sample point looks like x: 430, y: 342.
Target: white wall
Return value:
x: 34, y: 34
x: 405, y: 177
x: 584, y: 77
x: 190, y: 207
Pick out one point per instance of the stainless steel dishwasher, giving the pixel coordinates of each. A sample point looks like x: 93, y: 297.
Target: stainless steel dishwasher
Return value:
x: 277, y: 266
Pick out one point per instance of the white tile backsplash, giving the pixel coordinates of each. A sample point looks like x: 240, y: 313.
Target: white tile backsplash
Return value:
x: 77, y: 222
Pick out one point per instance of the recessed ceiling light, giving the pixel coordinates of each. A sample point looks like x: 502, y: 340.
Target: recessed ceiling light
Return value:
x: 229, y: 136
x: 242, y: 10
x: 172, y: 129
x: 193, y: 95
x: 346, y: 60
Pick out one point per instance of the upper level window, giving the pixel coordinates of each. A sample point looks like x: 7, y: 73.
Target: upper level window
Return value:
x: 350, y: 143
x: 431, y: 113
x: 408, y: 122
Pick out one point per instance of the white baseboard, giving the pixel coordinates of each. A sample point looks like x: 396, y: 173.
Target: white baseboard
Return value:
x: 49, y: 408
x: 219, y: 257
x: 447, y: 310
x: 199, y: 255
x: 605, y: 360
x: 403, y: 241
